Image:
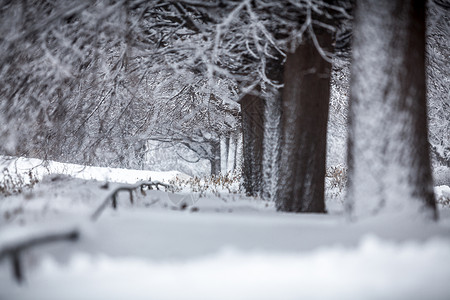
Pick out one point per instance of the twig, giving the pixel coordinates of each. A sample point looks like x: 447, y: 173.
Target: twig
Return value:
x: 112, y: 196
x: 14, y: 250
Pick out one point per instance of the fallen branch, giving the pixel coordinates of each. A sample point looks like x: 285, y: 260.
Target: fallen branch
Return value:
x: 112, y: 196
x: 15, y: 249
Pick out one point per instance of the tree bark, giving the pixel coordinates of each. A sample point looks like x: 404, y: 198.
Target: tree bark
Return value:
x: 237, y: 154
x: 215, y: 159
x: 271, y: 143
x: 226, y: 154
x: 388, y: 154
x: 305, y: 102
x: 232, y: 152
x: 252, y: 108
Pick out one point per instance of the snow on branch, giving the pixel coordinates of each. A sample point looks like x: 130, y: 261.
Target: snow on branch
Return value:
x: 15, y: 248
x: 112, y: 196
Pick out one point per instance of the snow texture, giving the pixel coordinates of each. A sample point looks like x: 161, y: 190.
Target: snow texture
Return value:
x: 336, y: 272
x: 228, y: 247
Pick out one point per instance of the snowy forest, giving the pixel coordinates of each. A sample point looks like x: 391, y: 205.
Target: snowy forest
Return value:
x: 224, y: 149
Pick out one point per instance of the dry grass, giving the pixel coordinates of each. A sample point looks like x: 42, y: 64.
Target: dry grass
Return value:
x: 230, y: 182
x: 16, y: 183
x: 443, y: 200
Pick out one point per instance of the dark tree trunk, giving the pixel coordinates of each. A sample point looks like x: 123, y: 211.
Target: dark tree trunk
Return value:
x: 227, y: 152
x: 215, y: 159
x: 305, y: 99
x: 252, y: 108
x: 388, y: 154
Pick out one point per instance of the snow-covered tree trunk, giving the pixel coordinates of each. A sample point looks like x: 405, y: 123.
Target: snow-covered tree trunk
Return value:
x: 271, y: 144
x: 438, y: 81
x: 388, y: 155
x: 232, y: 152
x: 225, y: 153
x: 238, y: 155
x: 252, y: 107
x: 305, y: 99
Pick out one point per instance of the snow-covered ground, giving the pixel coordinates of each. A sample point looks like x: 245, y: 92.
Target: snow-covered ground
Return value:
x: 217, y: 246
x: 39, y: 168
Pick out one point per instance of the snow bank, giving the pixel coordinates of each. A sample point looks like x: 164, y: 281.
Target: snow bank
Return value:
x: 374, y: 270
x: 22, y: 166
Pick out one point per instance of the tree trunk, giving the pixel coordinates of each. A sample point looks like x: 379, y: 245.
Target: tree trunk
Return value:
x: 238, y: 155
x: 305, y: 99
x: 252, y: 108
x: 271, y: 143
x: 232, y: 152
x: 226, y: 144
x: 388, y: 155
x: 215, y: 159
